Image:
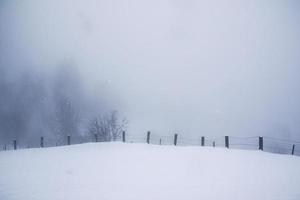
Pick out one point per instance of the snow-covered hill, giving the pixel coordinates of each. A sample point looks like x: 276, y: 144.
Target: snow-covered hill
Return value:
x: 117, y: 171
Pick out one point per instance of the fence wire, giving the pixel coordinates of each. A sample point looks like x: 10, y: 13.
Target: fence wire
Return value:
x: 270, y: 144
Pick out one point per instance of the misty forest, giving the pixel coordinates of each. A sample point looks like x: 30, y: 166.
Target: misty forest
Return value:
x: 34, y: 105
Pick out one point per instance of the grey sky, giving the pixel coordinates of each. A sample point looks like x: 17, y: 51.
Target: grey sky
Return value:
x: 194, y: 67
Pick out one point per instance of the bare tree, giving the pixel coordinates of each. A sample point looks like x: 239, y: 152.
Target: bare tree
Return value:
x: 108, y: 127
x: 66, y: 97
x: 116, y: 126
x: 94, y: 127
x: 66, y: 118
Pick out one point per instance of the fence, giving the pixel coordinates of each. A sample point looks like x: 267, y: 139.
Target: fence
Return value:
x: 268, y: 144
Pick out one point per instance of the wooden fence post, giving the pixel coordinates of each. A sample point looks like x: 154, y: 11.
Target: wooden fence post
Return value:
x: 42, y: 142
x: 175, y: 139
x: 123, y: 136
x: 227, y: 141
x: 5, y: 147
x: 148, y: 137
x: 69, y: 140
x: 15, y: 144
x: 214, y: 144
x: 96, y: 137
x: 202, y: 141
x: 261, y: 143
x: 293, y: 150
x: 160, y: 141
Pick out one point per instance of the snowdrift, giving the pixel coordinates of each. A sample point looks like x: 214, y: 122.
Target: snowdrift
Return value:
x: 118, y: 171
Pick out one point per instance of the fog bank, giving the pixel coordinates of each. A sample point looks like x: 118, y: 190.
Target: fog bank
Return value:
x: 192, y: 67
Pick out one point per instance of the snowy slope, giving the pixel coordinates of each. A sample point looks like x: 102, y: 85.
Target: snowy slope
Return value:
x: 100, y: 171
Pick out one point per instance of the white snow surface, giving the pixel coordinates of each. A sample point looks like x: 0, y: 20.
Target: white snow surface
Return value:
x: 118, y: 171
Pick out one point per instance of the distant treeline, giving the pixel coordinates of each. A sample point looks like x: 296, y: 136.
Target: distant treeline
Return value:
x: 56, y: 105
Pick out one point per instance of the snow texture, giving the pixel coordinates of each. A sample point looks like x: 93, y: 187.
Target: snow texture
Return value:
x: 117, y: 171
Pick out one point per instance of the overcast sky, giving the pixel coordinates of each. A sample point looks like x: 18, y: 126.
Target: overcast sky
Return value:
x: 193, y: 67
